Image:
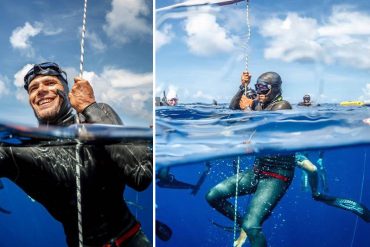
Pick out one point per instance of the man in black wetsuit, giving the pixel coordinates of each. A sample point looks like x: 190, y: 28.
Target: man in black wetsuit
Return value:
x: 270, y: 176
x: 306, y: 101
x: 47, y: 174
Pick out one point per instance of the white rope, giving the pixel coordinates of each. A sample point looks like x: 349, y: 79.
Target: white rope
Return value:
x: 83, y: 40
x: 78, y: 188
x: 236, y: 198
x: 79, y: 144
x: 361, y: 194
x: 247, y: 44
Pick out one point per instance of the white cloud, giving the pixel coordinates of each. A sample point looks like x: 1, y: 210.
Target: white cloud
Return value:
x: 206, y: 37
x: 96, y: 42
x: 126, y: 21
x: 21, y: 35
x: 4, y: 85
x: 341, y: 38
x: 128, y: 92
x: 163, y: 36
x: 21, y: 94
x: 20, y: 38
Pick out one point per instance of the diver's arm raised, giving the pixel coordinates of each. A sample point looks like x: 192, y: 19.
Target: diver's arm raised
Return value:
x: 83, y: 101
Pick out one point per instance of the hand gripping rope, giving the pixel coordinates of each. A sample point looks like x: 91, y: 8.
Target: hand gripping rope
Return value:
x: 79, y: 150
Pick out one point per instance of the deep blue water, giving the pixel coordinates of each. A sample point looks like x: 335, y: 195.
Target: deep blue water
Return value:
x: 189, y: 135
x: 29, y: 224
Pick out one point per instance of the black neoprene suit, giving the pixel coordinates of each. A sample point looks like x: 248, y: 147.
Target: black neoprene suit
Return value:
x: 268, y: 181
x: 48, y: 175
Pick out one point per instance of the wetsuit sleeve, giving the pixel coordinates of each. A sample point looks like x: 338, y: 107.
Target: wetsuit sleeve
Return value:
x: 7, y: 167
x: 234, y: 104
x: 282, y: 105
x: 101, y: 113
x: 135, y: 163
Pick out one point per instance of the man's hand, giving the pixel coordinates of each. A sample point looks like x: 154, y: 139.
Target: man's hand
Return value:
x: 246, y: 78
x: 245, y: 103
x: 81, y: 95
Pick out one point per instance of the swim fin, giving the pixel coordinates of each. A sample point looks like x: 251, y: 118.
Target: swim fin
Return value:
x: 3, y: 210
x: 162, y: 231
x: 225, y: 228
x: 346, y: 204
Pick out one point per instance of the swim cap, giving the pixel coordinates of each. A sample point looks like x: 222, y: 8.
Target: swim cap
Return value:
x: 307, y: 97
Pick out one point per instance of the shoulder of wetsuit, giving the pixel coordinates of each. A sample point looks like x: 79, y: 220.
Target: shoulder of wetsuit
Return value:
x: 281, y: 105
x: 101, y: 113
x: 234, y: 103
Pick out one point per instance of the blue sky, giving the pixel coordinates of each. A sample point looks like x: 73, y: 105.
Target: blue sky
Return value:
x: 319, y: 47
x: 118, y: 52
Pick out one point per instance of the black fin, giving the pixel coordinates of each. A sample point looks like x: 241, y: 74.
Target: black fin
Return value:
x: 346, y: 204
x: 223, y: 227
x: 162, y: 231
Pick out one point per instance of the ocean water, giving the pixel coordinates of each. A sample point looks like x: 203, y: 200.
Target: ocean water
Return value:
x: 29, y: 223
x: 188, y: 136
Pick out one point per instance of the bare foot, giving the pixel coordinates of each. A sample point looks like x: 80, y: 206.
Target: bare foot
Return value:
x: 241, y: 240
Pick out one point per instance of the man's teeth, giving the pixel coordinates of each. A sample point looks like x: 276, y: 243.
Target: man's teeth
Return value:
x: 45, y: 101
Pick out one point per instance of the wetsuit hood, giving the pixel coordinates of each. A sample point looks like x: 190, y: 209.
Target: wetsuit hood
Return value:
x: 274, y: 80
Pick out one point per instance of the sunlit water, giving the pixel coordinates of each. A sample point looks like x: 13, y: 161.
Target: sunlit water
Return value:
x: 187, y: 136
x: 28, y: 223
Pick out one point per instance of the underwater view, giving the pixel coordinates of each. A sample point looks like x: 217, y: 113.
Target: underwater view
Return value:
x: 200, y: 145
x: 24, y: 221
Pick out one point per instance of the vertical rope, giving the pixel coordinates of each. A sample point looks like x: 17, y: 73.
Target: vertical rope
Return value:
x: 79, y: 144
x: 83, y: 40
x: 361, y: 194
x: 247, y: 44
x: 236, y: 198
x: 78, y: 188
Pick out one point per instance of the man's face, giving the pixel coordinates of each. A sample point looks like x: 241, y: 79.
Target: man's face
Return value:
x: 264, y: 97
x: 172, y: 102
x: 43, y: 96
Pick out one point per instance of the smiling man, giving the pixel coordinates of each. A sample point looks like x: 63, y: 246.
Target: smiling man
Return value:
x: 48, y: 174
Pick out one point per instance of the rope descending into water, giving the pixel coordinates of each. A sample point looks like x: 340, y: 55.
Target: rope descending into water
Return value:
x: 361, y: 194
x: 236, y: 198
x: 79, y: 144
x: 78, y: 188
x: 247, y: 44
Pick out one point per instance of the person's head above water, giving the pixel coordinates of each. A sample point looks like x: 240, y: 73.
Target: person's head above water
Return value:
x: 172, y: 98
x: 47, y: 87
x: 306, y: 98
x: 268, y: 87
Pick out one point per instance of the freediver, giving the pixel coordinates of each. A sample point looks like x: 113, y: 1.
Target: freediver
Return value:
x: 319, y: 168
x: 170, y: 99
x: 167, y: 180
x: 306, y: 101
x: 270, y: 176
x: 105, y: 170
